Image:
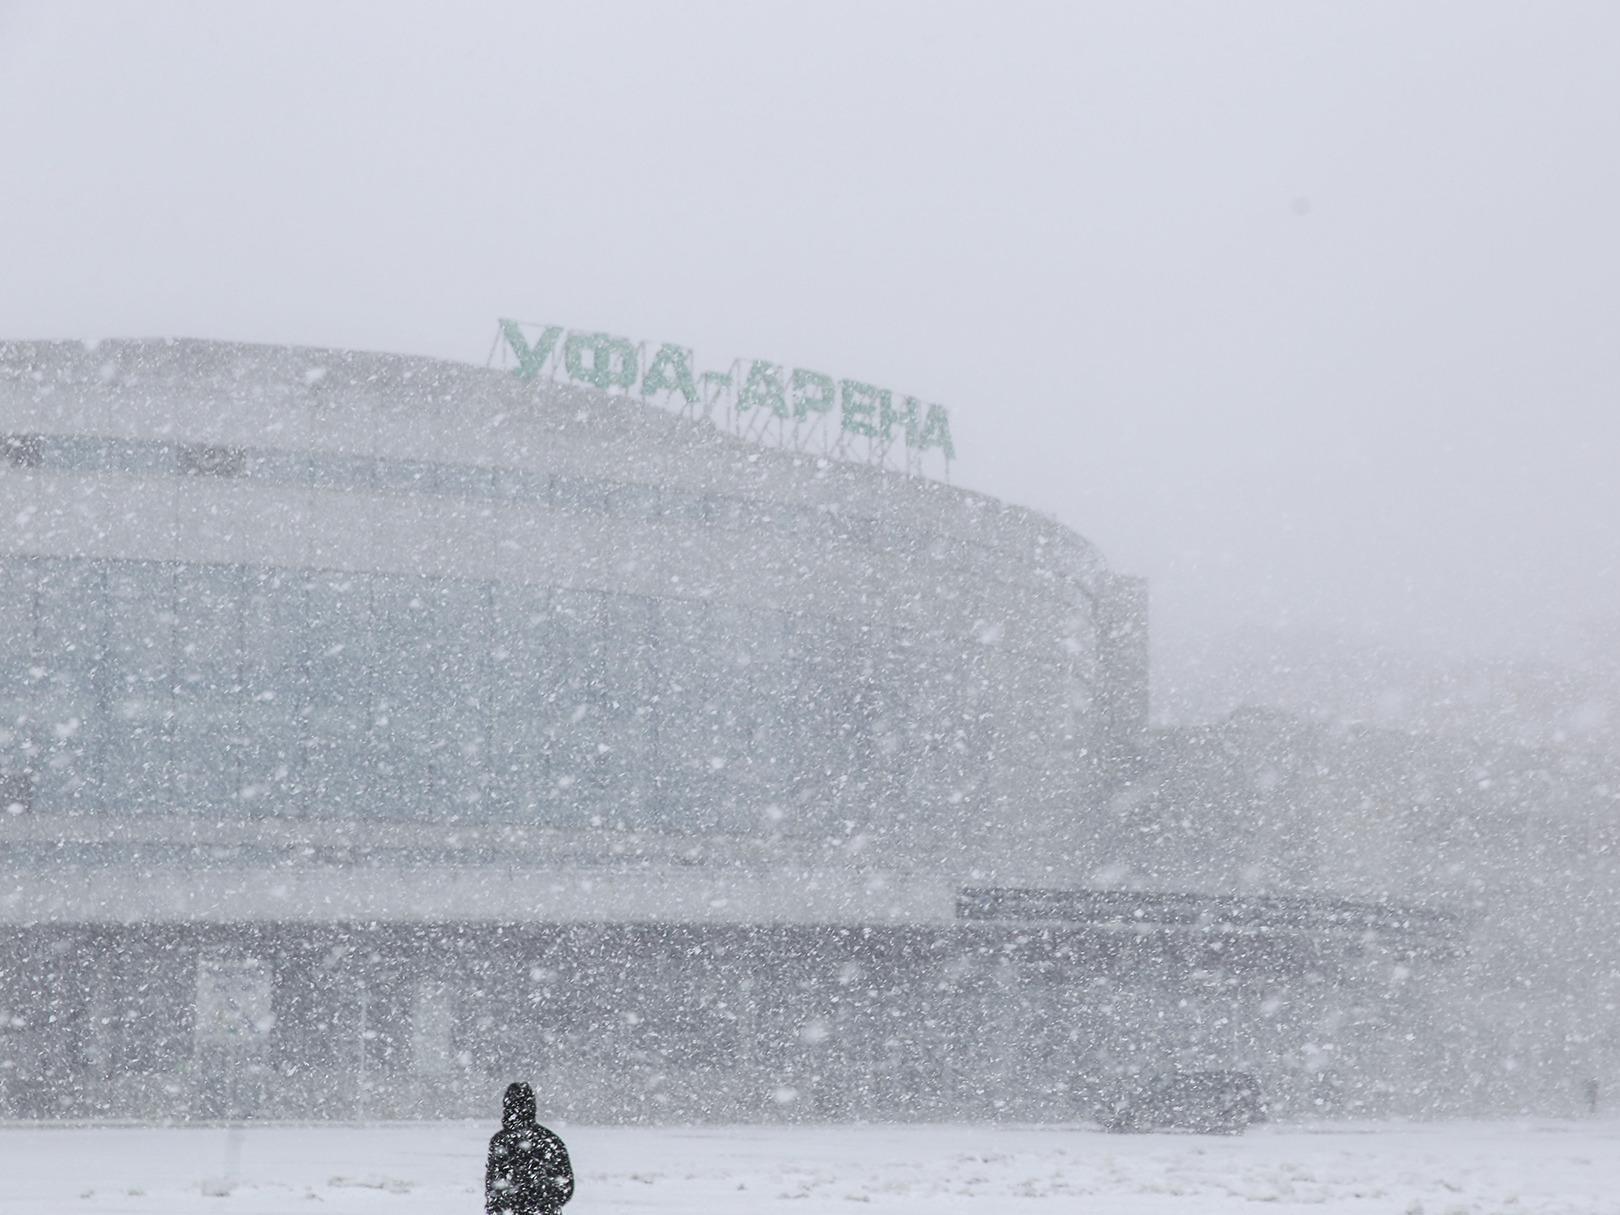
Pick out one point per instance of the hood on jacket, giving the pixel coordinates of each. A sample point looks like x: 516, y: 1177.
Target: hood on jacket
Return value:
x: 517, y: 1106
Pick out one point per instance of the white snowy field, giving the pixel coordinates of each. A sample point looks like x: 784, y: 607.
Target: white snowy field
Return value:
x: 1541, y: 1167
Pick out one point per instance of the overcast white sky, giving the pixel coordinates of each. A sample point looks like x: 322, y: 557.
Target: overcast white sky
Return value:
x: 1307, y: 312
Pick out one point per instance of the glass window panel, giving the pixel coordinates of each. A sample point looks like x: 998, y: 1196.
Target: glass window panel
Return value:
x: 271, y: 759
x: 728, y: 512
x: 687, y: 802
x: 406, y: 476
x: 578, y: 791
x: 579, y: 494
x: 576, y: 644
x: 328, y: 470
x: 209, y: 608
x: 150, y: 996
x: 627, y: 652
x: 16, y: 625
x: 18, y: 753
x: 461, y: 765
x: 278, y: 467
x: 467, y: 480
x: 407, y: 641
x: 275, y: 637
x: 339, y: 641
x: 685, y: 742
x: 446, y: 698
x: 21, y: 451
x: 519, y: 765
x: 402, y: 783
x: 67, y: 756
x: 738, y: 650
x: 208, y: 742
x: 339, y: 762
x: 460, y: 643
x: 71, y: 626
x: 459, y: 700
x: 523, y: 484
x: 69, y: 452
x: 140, y: 630
x: 794, y: 518
x: 137, y: 757
x: 202, y: 460
x: 638, y: 501
x: 625, y: 765
x: 430, y: 760
x: 86, y: 453
x: 518, y: 658
x: 678, y: 506
x: 145, y: 459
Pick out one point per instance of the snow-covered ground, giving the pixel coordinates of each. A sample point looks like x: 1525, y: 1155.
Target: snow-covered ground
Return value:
x: 1540, y: 1167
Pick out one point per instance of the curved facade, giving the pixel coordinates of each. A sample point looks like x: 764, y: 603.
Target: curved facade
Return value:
x: 247, y: 583
x: 374, y: 729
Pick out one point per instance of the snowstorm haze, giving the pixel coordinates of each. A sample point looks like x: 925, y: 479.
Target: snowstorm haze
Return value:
x: 832, y: 598
x: 1304, y: 312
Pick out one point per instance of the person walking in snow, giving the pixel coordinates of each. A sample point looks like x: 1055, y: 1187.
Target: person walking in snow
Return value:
x: 528, y: 1171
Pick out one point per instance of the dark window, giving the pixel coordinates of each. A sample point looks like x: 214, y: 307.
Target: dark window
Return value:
x: 94, y: 454
x: 331, y: 470
x: 467, y: 480
x: 200, y: 461
x: 288, y: 467
x: 16, y: 792
x: 522, y: 484
x: 411, y: 476
x: 578, y: 494
x: 23, y: 451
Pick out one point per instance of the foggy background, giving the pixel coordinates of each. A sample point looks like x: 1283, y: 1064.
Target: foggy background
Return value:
x: 1305, y: 312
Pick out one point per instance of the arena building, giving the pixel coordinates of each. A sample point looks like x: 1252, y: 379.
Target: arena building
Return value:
x: 377, y: 729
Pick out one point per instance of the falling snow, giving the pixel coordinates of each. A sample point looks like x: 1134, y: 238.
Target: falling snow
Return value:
x: 1182, y: 773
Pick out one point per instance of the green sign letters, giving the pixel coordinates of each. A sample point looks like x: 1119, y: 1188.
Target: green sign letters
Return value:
x: 796, y: 397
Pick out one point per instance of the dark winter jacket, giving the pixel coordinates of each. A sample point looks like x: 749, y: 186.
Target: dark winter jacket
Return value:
x: 528, y: 1171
